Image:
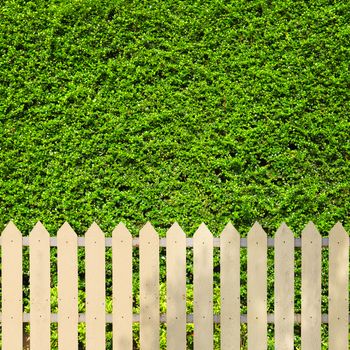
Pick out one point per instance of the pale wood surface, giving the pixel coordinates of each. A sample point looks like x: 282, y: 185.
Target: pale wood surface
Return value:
x: 67, y: 266
x: 122, y: 288
x: 11, y: 254
x: 95, y: 288
x: 189, y: 242
x: 39, y: 288
x: 149, y: 288
x: 203, y: 288
x: 257, y: 288
x: 176, y: 242
x: 311, y: 288
x: 284, y: 289
x: 176, y: 288
x: 163, y: 318
x: 338, y: 288
x: 230, y: 288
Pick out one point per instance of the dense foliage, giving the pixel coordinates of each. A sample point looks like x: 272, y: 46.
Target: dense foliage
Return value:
x: 174, y: 110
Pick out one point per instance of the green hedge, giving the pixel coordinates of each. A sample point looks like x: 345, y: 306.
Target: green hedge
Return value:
x: 174, y: 110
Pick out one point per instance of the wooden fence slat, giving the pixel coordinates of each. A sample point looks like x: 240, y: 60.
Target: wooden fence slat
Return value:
x: 203, y: 288
x: 122, y: 288
x: 338, y: 288
x: 95, y: 288
x: 149, y: 288
x: 284, y: 289
x: 257, y: 288
x: 230, y: 288
x: 12, y: 316
x: 12, y: 327
x: 67, y: 270
x: 40, y: 309
x: 176, y: 288
x: 311, y: 288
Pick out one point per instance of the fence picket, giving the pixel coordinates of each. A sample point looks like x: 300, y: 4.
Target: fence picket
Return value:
x: 122, y: 288
x: 67, y: 270
x: 39, y: 243
x: 12, y: 327
x: 284, y: 289
x: 311, y: 288
x: 176, y: 288
x: 230, y: 288
x: 203, y: 288
x: 122, y: 243
x: 95, y: 288
x: 257, y: 288
x: 149, y: 288
x: 338, y: 288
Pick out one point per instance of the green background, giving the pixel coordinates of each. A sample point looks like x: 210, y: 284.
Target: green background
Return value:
x: 188, y: 111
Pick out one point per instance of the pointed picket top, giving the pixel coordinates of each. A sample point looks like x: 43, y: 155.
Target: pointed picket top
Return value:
x: 256, y: 232
x: 121, y: 231
x: 284, y: 237
x: 39, y: 230
x: 95, y: 227
x: 283, y: 231
x: 338, y: 231
x: 66, y: 231
x: 121, y: 227
x: 94, y: 231
x: 148, y: 231
x: 202, y: 232
x: 175, y: 231
x: 310, y: 231
x: 10, y: 231
x: 175, y: 225
x: 229, y: 232
x: 39, y: 233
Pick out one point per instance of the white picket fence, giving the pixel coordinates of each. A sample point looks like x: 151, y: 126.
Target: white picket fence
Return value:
x: 203, y: 243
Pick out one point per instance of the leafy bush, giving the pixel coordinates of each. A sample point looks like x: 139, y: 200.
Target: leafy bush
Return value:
x: 174, y: 110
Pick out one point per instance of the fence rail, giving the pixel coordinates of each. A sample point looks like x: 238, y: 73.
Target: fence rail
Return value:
x: 163, y: 242
x: 230, y: 243
x: 163, y: 318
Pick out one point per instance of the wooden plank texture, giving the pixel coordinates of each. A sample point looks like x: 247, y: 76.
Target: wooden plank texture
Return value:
x: 338, y: 288
x: 284, y: 289
x: 149, y: 288
x: 311, y: 288
x: 163, y: 318
x: 67, y: 266
x: 230, y: 288
x: 95, y: 288
x: 39, y: 288
x: 176, y: 288
x: 11, y: 260
x: 189, y: 242
x: 203, y: 288
x: 257, y: 288
x: 122, y: 288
